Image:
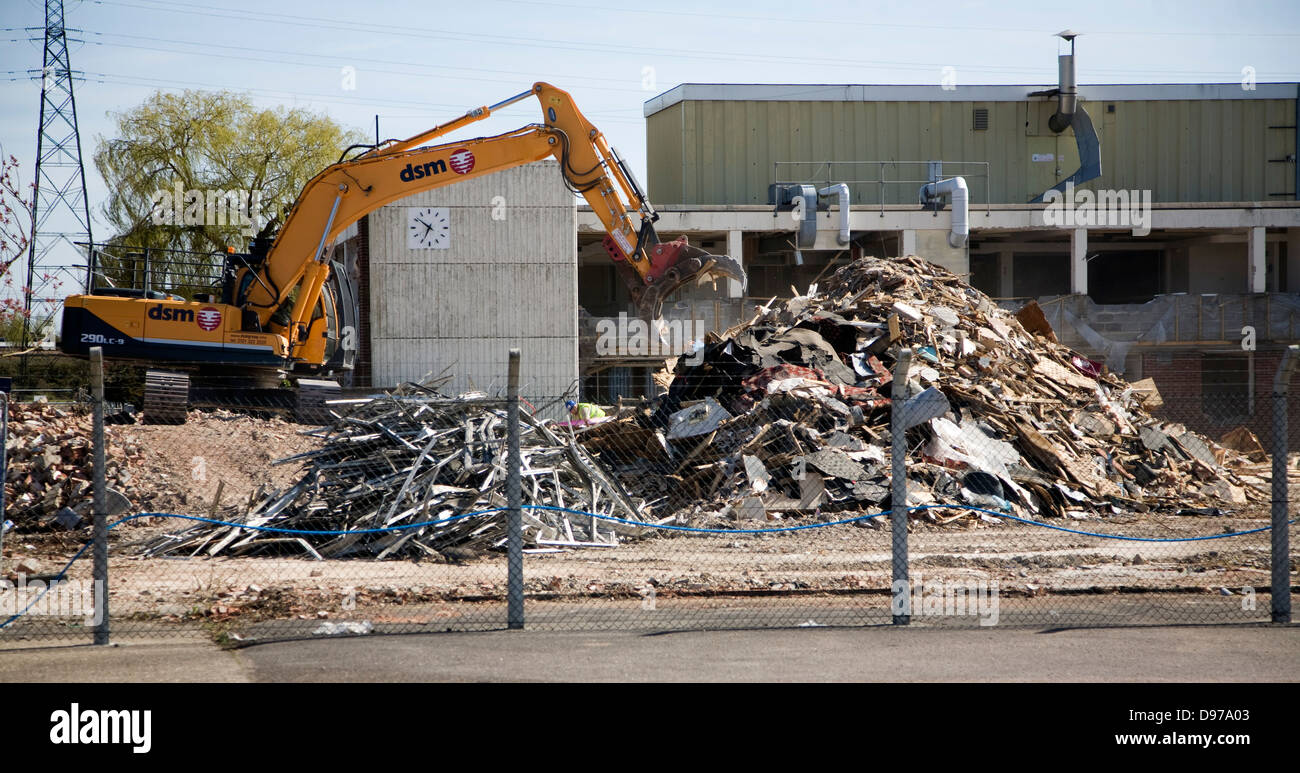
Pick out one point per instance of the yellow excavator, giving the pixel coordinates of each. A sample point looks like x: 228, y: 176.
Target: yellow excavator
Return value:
x: 283, y: 312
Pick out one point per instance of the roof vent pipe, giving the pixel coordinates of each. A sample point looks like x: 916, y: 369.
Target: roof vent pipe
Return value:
x: 841, y: 190
x: 1067, y: 92
x: 955, y: 187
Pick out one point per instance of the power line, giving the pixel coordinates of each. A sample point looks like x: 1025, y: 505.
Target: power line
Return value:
x: 589, y: 46
x: 152, y: 82
x: 336, y: 57
x: 276, y: 60
x: 841, y: 22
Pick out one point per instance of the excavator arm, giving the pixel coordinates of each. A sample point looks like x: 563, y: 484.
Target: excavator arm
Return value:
x: 348, y: 190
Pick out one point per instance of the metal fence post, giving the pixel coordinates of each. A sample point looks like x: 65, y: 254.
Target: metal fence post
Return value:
x: 100, y: 550
x: 1281, y: 550
x: 514, y: 501
x: 901, y: 597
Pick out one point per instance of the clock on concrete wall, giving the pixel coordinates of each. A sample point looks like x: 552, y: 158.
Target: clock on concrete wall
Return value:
x: 427, y: 228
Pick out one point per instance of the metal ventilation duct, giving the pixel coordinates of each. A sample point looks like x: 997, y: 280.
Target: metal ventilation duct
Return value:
x: 956, y: 188
x: 840, y: 190
x: 1067, y: 96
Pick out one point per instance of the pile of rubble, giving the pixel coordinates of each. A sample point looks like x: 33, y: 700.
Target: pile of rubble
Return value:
x: 147, y: 468
x: 49, y: 460
x: 790, y: 412
x: 414, y: 456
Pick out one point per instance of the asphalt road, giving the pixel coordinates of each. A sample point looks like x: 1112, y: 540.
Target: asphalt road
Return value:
x: 1248, y: 653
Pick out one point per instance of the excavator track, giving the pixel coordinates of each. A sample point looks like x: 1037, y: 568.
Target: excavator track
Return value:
x: 310, y: 407
x: 166, y: 397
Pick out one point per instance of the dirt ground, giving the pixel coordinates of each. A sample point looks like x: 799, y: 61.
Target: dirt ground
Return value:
x: 841, y: 567
x: 178, y: 468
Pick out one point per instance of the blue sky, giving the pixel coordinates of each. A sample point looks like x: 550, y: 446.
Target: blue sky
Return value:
x: 420, y: 63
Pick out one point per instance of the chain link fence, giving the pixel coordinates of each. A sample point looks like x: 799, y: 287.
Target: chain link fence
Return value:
x: 887, y: 450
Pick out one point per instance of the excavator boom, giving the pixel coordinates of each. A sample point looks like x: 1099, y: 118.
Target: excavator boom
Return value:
x: 278, y: 310
x: 346, y: 191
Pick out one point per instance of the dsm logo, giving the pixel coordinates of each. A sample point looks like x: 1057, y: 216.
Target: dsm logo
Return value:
x: 462, y: 161
x: 209, y: 318
x: 170, y: 314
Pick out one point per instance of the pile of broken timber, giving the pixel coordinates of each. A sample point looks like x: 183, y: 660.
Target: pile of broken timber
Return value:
x: 789, y: 413
x: 414, y: 456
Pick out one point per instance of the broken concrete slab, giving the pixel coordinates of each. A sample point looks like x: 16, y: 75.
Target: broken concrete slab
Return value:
x: 696, y: 420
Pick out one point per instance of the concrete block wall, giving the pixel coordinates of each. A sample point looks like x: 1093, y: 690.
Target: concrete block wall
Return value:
x: 507, y: 278
x: 932, y: 244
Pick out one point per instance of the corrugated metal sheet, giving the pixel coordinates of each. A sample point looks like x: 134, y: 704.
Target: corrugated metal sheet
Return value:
x: 507, y: 278
x: 723, y: 152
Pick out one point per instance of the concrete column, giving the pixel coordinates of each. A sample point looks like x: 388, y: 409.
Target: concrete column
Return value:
x: 1079, y: 261
x: 907, y: 245
x: 1292, y: 261
x: 736, y: 249
x: 1006, y: 277
x: 1256, y: 261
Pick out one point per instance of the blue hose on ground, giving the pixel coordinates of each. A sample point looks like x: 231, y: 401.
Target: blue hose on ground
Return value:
x: 690, y: 529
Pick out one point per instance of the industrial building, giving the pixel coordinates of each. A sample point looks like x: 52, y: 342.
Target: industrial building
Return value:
x: 1186, y: 268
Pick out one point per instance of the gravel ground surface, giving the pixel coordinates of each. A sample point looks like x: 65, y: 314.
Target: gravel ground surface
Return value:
x: 836, y: 575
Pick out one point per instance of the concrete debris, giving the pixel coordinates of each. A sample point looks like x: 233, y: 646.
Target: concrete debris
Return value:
x: 414, y: 456
x: 696, y: 420
x: 1148, y: 396
x: 29, y: 566
x: 801, y: 393
x: 148, y: 467
x: 344, y: 629
x: 49, y: 458
x: 66, y: 518
x: 1243, y: 440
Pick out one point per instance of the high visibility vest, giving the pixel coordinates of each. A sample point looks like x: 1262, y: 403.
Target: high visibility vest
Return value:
x: 588, y: 411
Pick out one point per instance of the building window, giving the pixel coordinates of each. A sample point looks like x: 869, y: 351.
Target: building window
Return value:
x: 980, y: 119
x: 1131, y: 276
x: 607, y: 386
x: 1225, y: 387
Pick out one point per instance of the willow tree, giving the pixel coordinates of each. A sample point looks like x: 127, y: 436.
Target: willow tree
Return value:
x: 192, y: 174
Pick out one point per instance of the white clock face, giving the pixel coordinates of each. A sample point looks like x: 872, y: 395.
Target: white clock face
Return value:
x: 427, y: 228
